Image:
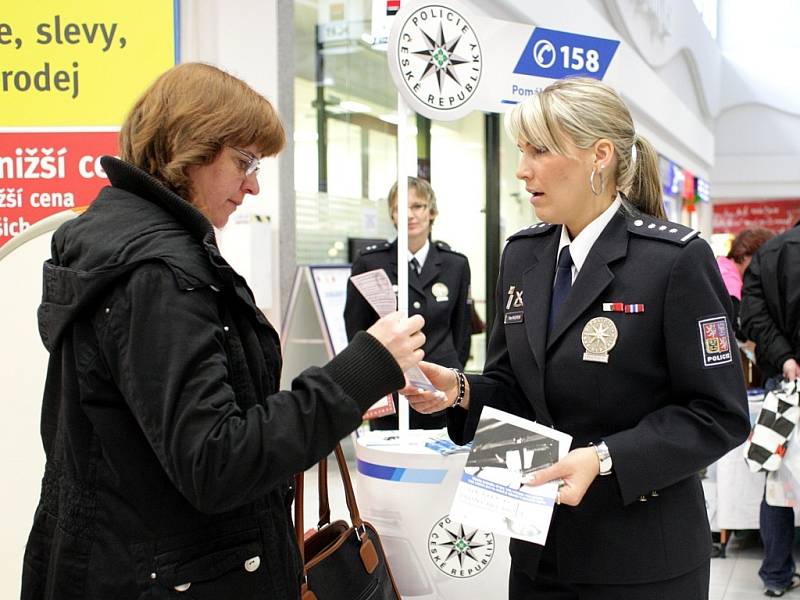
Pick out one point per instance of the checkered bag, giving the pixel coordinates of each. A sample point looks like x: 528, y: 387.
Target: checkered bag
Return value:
x: 777, y: 420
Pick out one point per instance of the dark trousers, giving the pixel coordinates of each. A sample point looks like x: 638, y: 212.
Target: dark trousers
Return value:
x: 546, y: 586
x: 776, y: 526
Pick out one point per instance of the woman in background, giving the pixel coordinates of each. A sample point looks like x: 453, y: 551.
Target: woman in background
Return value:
x: 438, y: 280
x: 733, y: 266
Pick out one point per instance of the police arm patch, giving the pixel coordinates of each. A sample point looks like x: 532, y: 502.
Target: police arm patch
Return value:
x: 715, y: 341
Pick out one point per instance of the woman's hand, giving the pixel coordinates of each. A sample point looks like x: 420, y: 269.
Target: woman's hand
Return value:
x: 576, y: 470
x: 402, y: 336
x: 791, y: 370
x: 445, y: 382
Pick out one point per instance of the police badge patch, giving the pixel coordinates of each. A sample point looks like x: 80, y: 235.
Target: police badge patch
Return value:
x: 715, y: 341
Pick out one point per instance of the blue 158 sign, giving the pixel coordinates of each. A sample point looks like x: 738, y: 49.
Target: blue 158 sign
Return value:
x: 557, y: 54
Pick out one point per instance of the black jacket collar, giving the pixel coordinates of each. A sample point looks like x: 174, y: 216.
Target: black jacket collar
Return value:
x: 125, y: 176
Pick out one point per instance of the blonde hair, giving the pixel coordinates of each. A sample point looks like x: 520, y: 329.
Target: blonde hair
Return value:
x: 424, y: 191
x: 582, y: 111
x: 185, y: 118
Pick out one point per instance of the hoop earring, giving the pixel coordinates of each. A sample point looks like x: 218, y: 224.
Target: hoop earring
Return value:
x: 602, y: 181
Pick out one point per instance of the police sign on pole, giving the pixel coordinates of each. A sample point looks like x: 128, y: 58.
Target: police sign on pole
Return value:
x: 446, y: 63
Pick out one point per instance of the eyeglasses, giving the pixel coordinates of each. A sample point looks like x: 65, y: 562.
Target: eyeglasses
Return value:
x: 252, y: 164
x: 416, y: 208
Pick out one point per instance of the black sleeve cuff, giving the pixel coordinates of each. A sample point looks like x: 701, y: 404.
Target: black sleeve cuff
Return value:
x: 462, y: 424
x: 366, y: 370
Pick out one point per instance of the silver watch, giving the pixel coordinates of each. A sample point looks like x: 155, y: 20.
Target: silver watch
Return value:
x: 604, y: 456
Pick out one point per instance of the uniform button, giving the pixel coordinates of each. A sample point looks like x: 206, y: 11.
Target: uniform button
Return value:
x: 252, y: 564
x: 673, y: 230
x: 226, y: 328
x: 416, y: 305
x: 638, y: 222
x: 152, y: 575
x: 651, y: 226
x: 108, y: 310
x: 642, y: 499
x: 662, y: 227
x: 183, y: 587
x: 654, y: 494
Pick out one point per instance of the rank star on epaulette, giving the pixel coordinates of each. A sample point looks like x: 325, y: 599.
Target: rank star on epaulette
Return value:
x: 533, y: 230
x: 662, y: 230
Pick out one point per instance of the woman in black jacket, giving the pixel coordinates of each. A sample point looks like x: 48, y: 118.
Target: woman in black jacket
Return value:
x: 170, y: 449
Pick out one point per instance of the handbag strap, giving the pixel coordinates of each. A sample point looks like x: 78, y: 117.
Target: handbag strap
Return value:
x: 324, y: 507
x: 299, y: 531
x: 322, y: 485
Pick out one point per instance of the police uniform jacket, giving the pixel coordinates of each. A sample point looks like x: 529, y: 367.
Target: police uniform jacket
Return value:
x: 440, y: 293
x: 770, y: 313
x: 169, y: 448
x: 670, y: 401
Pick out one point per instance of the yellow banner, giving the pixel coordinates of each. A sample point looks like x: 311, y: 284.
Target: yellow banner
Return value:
x: 80, y: 62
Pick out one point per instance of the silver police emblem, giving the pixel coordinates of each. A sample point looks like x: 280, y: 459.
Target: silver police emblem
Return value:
x: 598, y: 337
x: 440, y: 292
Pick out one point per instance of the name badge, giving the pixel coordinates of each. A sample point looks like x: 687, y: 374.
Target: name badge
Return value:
x: 514, y: 317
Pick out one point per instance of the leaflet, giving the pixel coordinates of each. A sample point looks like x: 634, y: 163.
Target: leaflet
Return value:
x: 377, y: 289
x: 492, y: 494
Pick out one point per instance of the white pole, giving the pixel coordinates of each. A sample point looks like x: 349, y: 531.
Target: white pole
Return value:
x: 402, y: 232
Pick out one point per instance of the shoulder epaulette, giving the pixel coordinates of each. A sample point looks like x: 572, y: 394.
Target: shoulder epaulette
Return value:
x: 533, y: 230
x: 445, y: 247
x: 375, y: 248
x: 659, y: 229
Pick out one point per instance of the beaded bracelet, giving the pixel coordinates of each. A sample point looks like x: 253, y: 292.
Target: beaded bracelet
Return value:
x: 462, y: 388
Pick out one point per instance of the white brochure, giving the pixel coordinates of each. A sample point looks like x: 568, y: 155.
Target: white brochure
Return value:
x: 492, y: 494
x: 376, y: 287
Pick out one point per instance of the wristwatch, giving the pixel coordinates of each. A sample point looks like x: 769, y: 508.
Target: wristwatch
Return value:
x: 605, y: 458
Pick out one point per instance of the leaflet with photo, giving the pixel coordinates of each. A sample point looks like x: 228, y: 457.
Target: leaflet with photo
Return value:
x: 376, y: 287
x: 384, y: 406
x: 492, y: 494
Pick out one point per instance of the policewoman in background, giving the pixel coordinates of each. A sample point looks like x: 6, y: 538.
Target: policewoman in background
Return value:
x: 170, y: 449
x: 438, y: 279
x: 611, y: 326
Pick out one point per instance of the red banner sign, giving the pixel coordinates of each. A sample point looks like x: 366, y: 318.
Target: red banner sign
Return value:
x: 43, y: 173
x: 775, y: 215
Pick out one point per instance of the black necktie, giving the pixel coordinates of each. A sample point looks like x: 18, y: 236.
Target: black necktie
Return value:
x: 415, y: 265
x: 562, y: 285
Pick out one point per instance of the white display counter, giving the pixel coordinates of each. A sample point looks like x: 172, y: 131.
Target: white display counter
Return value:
x: 733, y: 492
x: 405, y: 489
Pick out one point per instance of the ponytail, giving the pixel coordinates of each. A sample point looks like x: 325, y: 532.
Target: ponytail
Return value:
x: 645, y: 190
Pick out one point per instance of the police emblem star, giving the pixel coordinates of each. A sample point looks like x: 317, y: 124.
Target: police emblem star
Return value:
x: 598, y: 337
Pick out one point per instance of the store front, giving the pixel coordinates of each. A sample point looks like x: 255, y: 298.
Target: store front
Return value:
x: 345, y: 151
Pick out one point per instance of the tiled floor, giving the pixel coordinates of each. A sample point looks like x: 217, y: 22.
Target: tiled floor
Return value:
x: 732, y: 578
x: 736, y: 576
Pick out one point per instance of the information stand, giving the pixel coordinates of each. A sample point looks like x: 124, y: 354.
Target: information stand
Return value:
x: 405, y: 488
x: 313, y: 330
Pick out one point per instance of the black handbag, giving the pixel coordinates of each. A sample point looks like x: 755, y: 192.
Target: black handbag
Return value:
x: 341, y: 561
